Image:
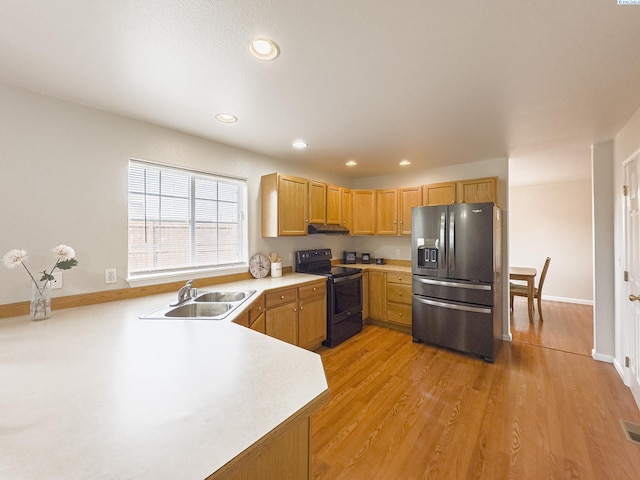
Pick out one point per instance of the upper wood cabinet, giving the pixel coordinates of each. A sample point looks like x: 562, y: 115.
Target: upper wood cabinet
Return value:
x: 478, y: 190
x: 387, y: 212
x: 393, y: 214
x: 439, y: 193
x: 317, y: 202
x: 284, y: 205
x: 364, y: 208
x: 290, y: 203
x: 346, y: 208
x: 334, y: 205
x: 464, y: 191
x: 409, y: 198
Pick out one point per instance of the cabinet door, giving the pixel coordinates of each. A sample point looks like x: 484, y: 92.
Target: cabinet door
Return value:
x: 334, y: 213
x: 317, y: 202
x: 409, y: 198
x: 259, y: 324
x: 292, y: 206
x: 439, y: 193
x: 346, y: 208
x: 312, y: 322
x: 477, y: 190
x: 377, y: 295
x: 282, y: 323
x: 387, y: 212
x: 364, y: 207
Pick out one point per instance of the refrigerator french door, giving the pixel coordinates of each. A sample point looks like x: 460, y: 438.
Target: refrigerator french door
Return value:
x: 456, y: 268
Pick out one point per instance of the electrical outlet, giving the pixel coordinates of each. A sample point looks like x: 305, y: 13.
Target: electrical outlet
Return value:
x: 397, y: 252
x: 56, y: 283
x: 110, y: 275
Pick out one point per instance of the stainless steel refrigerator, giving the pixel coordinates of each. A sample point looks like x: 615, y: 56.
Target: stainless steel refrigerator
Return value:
x: 457, y: 287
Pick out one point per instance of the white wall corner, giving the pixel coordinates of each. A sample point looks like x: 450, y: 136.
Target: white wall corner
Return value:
x: 602, y: 167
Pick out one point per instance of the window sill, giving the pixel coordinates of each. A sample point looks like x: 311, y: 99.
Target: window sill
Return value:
x: 156, y: 279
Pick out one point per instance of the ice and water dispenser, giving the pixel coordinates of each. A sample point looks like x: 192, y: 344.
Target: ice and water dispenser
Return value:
x: 428, y: 253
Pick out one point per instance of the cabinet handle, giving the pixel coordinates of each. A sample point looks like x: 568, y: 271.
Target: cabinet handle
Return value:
x: 259, y: 308
x: 281, y: 297
x: 295, y: 309
x: 399, y: 294
x: 301, y: 307
x: 315, y: 288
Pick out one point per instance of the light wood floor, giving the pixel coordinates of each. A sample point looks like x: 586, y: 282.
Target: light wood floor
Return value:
x: 401, y: 410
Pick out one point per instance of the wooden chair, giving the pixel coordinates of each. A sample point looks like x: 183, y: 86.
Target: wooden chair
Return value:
x: 521, y: 290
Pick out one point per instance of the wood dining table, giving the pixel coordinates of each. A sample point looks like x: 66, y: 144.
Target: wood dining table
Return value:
x: 527, y: 274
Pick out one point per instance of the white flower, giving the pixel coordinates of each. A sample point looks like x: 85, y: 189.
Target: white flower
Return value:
x: 65, y: 252
x: 14, y: 258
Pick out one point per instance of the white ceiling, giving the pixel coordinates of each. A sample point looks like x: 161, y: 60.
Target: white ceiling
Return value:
x: 434, y: 82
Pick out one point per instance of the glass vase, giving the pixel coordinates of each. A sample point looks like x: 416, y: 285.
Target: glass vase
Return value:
x: 40, y: 301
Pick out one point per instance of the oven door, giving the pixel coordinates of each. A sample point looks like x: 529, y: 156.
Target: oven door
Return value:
x: 345, y: 297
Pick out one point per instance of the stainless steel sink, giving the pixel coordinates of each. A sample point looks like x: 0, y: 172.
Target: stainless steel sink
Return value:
x: 216, y: 305
x: 222, y: 296
x: 201, y: 310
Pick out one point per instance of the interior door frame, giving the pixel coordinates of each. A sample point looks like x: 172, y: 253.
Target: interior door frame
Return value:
x: 631, y: 310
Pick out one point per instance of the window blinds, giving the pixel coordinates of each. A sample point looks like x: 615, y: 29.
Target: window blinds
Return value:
x: 181, y: 220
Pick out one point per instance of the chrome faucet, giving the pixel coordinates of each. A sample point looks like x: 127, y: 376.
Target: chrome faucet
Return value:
x: 184, y: 294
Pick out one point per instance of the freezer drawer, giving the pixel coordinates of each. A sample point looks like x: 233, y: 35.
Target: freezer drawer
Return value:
x: 463, y: 327
x: 454, y: 290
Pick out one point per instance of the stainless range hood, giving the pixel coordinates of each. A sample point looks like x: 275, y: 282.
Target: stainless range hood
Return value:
x: 326, y: 228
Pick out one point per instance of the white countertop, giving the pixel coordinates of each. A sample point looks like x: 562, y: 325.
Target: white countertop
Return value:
x: 96, y: 393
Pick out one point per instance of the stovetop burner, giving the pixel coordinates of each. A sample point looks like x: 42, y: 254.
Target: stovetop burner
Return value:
x: 318, y: 262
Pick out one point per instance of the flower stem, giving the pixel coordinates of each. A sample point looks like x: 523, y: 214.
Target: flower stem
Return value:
x: 33, y: 279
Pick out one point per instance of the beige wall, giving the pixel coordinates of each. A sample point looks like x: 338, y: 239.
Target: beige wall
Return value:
x: 554, y: 220
x: 64, y: 180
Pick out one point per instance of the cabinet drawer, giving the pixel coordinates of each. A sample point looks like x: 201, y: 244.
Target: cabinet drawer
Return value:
x: 398, y: 277
x: 256, y: 310
x: 281, y: 297
x: 399, y: 313
x: 399, y: 293
x: 313, y: 290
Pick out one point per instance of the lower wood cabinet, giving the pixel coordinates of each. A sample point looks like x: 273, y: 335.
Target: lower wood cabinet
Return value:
x: 398, y: 288
x: 389, y: 298
x: 282, y: 315
x: 312, y: 315
x: 298, y: 315
x: 377, y: 295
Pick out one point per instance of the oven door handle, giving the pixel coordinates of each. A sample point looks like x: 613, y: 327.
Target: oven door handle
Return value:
x: 349, y: 277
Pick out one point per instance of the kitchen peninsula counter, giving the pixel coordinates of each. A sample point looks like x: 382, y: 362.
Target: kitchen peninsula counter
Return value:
x: 95, y: 392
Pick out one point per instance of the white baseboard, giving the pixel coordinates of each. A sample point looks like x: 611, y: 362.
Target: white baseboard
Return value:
x: 620, y: 369
x: 602, y: 358
x: 568, y: 300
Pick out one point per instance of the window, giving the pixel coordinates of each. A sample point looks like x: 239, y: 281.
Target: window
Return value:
x: 181, y: 221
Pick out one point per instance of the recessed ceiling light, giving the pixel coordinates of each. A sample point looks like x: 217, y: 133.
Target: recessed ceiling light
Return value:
x: 404, y: 163
x: 264, y: 49
x: 351, y: 163
x: 299, y: 144
x: 226, y: 118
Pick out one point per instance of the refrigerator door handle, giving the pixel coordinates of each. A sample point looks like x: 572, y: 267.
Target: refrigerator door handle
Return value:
x: 443, y: 226
x: 441, y: 283
x: 452, y: 242
x: 452, y: 306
